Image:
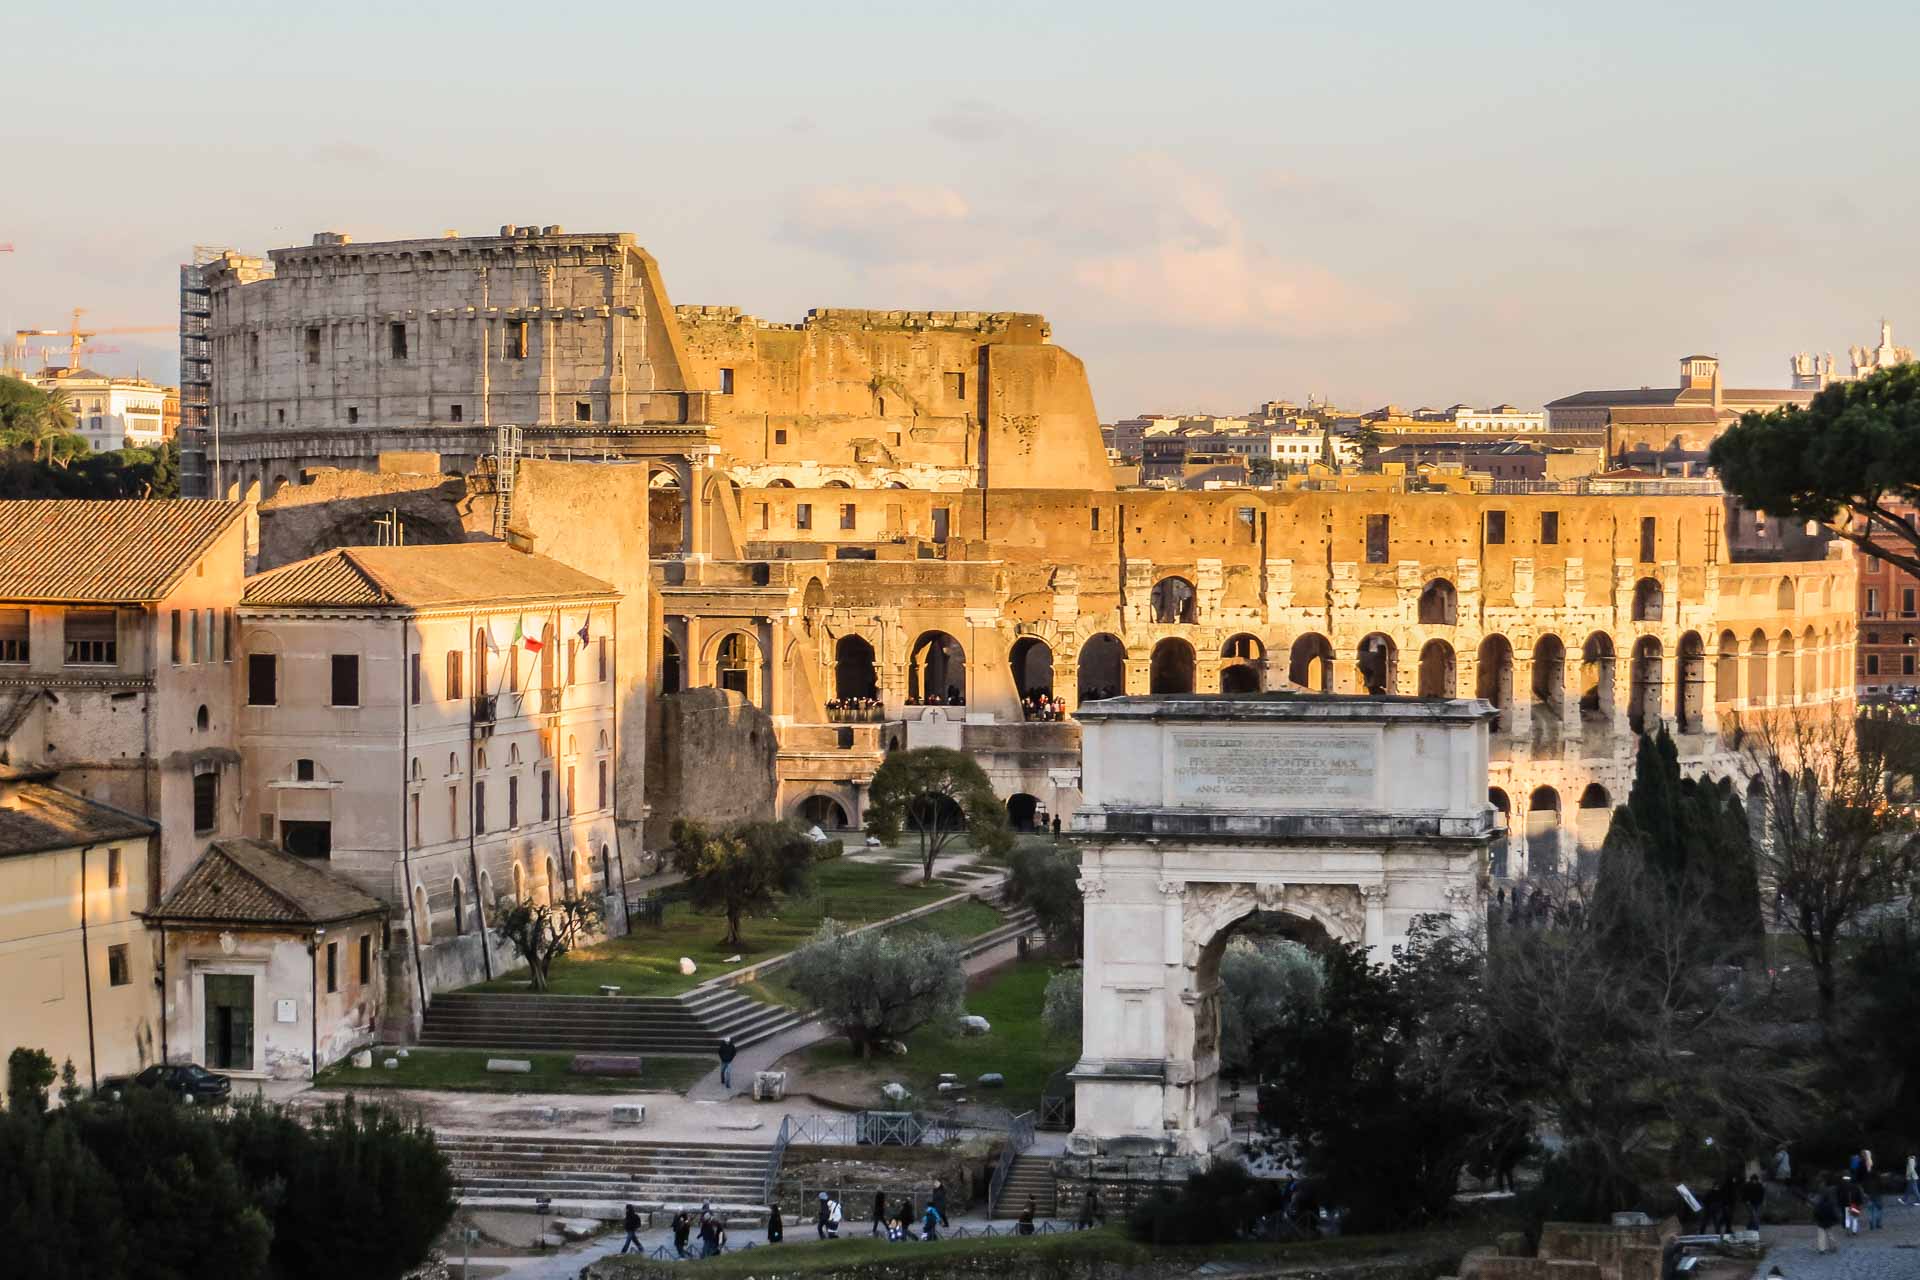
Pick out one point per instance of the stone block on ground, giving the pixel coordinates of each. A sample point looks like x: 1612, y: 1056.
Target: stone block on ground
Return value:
x: 629, y: 1113
x: 362, y: 1058
x: 391, y: 1064
x: 577, y: 1228
x: 605, y: 1064
x: 896, y: 1048
x: 769, y: 1086
x: 687, y: 966
x: 992, y: 1080
x: 974, y: 1025
x: 400, y: 1053
x: 509, y: 1066
x: 948, y: 1077
x: 894, y: 1091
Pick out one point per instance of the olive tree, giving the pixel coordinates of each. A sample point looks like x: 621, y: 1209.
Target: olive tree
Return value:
x: 740, y: 870
x: 879, y: 984
x: 542, y: 932
x: 939, y: 793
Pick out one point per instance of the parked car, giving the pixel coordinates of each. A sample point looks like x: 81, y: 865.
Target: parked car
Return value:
x: 188, y: 1081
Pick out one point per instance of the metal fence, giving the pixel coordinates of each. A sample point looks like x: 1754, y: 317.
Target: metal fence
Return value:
x: 868, y: 1128
x: 1019, y: 1138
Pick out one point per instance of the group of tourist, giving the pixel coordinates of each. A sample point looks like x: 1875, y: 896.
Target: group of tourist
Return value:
x: 951, y: 698
x: 1043, y: 706
x: 1850, y: 1201
x: 897, y: 1223
x: 856, y: 709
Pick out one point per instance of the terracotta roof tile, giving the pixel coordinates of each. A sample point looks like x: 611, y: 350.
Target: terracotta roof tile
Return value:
x: 36, y: 816
x: 105, y: 552
x: 247, y: 882
x: 421, y: 577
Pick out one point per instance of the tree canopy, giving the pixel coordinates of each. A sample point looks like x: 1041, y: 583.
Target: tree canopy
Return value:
x: 542, y: 932
x: 879, y: 984
x: 938, y: 793
x: 1849, y: 459
x: 741, y: 869
x: 41, y: 456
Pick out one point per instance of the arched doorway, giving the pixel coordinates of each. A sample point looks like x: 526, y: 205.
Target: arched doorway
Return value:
x: 1174, y: 600
x: 1783, y: 689
x: 1032, y: 663
x: 853, y: 672
x: 823, y: 812
x: 935, y: 812
x: 1644, y: 691
x: 1502, y: 825
x: 671, y: 680
x: 1171, y: 670
x: 1103, y: 668
x: 1648, y: 601
x: 1021, y: 811
x: 1549, y: 686
x: 1590, y: 826
x: 736, y: 665
x: 1378, y: 663
x: 1439, y: 671
x: 1310, y: 663
x: 1543, y: 832
x: 1596, y: 679
x: 1439, y: 604
x: 1241, y: 657
x: 1493, y: 682
x: 937, y: 670
x: 1690, y: 701
x: 1726, y: 670
x: 1757, y: 663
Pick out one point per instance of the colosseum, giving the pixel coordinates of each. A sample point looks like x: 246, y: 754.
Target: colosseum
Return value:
x: 875, y: 529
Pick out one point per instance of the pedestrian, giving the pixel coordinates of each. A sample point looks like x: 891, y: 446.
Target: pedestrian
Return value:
x: 1850, y: 1204
x: 1782, y: 1165
x: 1826, y: 1216
x: 820, y: 1219
x: 726, y: 1061
x: 930, y: 1224
x: 1089, y: 1210
x: 719, y: 1236
x: 1025, y: 1225
x: 632, y: 1224
x: 906, y: 1212
x: 834, y: 1215
x: 776, y: 1229
x: 709, y: 1235
x: 879, y: 1213
x: 1912, y: 1195
x: 682, y: 1228
x: 938, y: 1201
x: 1056, y: 826
x: 1872, y: 1198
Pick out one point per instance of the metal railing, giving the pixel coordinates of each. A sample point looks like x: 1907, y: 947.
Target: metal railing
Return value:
x: 870, y: 1129
x: 775, y: 1158
x: 1019, y: 1138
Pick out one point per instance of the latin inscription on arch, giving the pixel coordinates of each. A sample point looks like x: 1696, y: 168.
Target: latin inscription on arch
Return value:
x: 1262, y: 770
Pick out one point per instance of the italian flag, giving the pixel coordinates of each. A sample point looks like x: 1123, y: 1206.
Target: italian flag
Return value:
x: 520, y: 636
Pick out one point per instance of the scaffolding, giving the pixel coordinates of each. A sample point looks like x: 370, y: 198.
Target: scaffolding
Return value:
x: 199, y: 443
x: 506, y: 462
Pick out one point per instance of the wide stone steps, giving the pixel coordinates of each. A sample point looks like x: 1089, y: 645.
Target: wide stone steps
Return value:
x: 598, y: 1175
x: 1031, y: 1176
x: 691, y: 1024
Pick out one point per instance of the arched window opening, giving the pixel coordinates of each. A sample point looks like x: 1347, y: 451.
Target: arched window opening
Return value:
x: 1493, y: 680
x: 1439, y: 670
x: 1310, y: 664
x: 1242, y: 657
x: 1543, y: 832
x: 1174, y: 600
x: 734, y: 664
x: 1726, y: 670
x: 1596, y: 678
x: 1378, y: 660
x: 519, y: 883
x: 1784, y: 688
x: 1690, y: 701
x: 1103, y: 668
x: 1647, y: 601
x: 823, y: 812
x: 1809, y: 666
x: 1590, y: 826
x: 1439, y: 604
x: 1171, y: 670
x: 1549, y: 685
x: 937, y: 671
x: 1032, y: 663
x: 200, y: 718
x: 554, y: 890
x: 670, y: 679
x: 854, y: 677
x: 1758, y: 651
x: 421, y: 920
x: 1783, y: 596
x: 1644, y: 692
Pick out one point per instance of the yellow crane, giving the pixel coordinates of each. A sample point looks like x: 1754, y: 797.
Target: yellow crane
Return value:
x: 77, y: 337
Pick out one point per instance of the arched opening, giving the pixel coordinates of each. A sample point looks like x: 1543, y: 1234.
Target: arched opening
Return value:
x: 1596, y: 678
x: 779, y: 484
x: 421, y: 920
x: 1439, y: 604
x: 1726, y: 670
x: 1783, y: 692
x: 459, y: 906
x: 1549, y: 685
x: 935, y: 812
x: 1648, y: 605
x: 1543, y: 832
x: 836, y: 484
x: 1174, y: 600
x: 1757, y: 664
x: 1809, y: 686
x: 1590, y: 826
x: 1241, y: 657
x: 823, y: 812
x: 1690, y: 700
x: 853, y: 671
x: 1378, y: 663
x: 1226, y: 1060
x: 1103, y: 668
x: 1171, y: 670
x: 1032, y: 663
x: 1644, y: 691
x: 200, y: 718
x: 670, y: 677
x: 554, y: 890
x: 1502, y: 826
x: 1783, y: 596
x: 1439, y: 670
x: 1493, y: 679
x: 1310, y: 664
x: 937, y: 671
x: 1021, y: 811
x: 736, y: 665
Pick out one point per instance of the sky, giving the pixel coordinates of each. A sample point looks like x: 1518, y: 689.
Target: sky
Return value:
x: 1214, y: 204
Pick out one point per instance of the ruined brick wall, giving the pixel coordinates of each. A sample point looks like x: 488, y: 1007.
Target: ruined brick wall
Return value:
x: 712, y: 759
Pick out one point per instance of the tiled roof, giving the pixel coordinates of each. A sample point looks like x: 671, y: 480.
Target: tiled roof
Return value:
x: 123, y: 552
x: 247, y: 882
x: 36, y: 816
x: 1640, y: 414
x: 421, y: 577
x: 1642, y: 395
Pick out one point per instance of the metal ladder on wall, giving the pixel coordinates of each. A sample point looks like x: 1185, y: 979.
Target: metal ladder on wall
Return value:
x: 506, y: 464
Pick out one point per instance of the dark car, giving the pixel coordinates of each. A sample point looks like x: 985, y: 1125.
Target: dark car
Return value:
x: 188, y: 1081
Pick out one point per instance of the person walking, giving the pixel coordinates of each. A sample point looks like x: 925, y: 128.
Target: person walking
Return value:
x: 879, y: 1213
x: 1912, y: 1194
x: 930, y: 1224
x: 938, y: 1200
x: 632, y: 1224
x: 1089, y: 1210
x: 709, y: 1235
x: 1826, y: 1216
x: 834, y: 1216
x: 820, y: 1218
x: 1850, y: 1204
x: 1754, y: 1192
x: 682, y: 1229
x: 727, y: 1052
x: 1025, y: 1225
x: 776, y: 1229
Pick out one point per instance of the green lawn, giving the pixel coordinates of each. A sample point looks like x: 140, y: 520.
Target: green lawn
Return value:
x: 961, y: 922
x: 1018, y: 1047
x: 647, y: 962
x: 467, y: 1069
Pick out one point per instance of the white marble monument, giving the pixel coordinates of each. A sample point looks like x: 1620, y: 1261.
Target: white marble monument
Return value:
x: 1351, y: 814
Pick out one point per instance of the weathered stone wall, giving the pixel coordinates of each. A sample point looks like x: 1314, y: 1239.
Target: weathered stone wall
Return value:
x: 713, y: 755
x: 854, y: 1174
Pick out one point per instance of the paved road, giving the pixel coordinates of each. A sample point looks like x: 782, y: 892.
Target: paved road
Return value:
x: 1892, y: 1253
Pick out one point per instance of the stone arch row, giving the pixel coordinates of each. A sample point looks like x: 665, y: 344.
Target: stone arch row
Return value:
x: 1534, y: 834
x: 469, y: 913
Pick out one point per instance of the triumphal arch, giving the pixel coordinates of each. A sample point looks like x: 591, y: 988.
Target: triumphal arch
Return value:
x: 1351, y: 815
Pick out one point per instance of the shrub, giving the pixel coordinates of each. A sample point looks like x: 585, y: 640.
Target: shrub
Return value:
x: 828, y: 850
x: 1061, y: 1010
x: 879, y: 984
x: 1219, y: 1204
x: 29, y: 1075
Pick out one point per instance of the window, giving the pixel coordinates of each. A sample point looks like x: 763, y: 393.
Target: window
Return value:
x: 453, y: 811
x: 1549, y: 528
x: 1906, y: 664
x: 413, y: 820
x: 205, y: 791
x: 515, y: 345
x: 1873, y: 664
x: 193, y: 636
x: 333, y: 967
x: 573, y: 803
x: 117, y: 975
x: 1377, y: 528
x: 200, y: 718
x: 14, y: 636
x: 600, y: 644
x: 956, y: 385
x: 280, y: 416
x: 1873, y: 602
x: 177, y: 646
x: 366, y: 957
x: 226, y: 635
x: 1496, y: 528
x: 803, y: 515
x: 602, y: 764
x: 726, y: 382
x: 303, y: 771
x: 91, y: 637
x: 457, y: 413
x: 546, y: 797
x: 942, y: 516
x: 346, y: 680
x: 1096, y: 519
x: 1906, y: 602
x: 253, y: 360
x: 760, y: 511
x: 454, y: 660
x: 114, y: 869
x: 846, y: 515
x: 413, y: 678
x: 313, y: 346
x: 263, y: 682
x: 1646, y: 539
x: 479, y: 806
x: 583, y: 411
x: 513, y: 802
x: 353, y: 414
x: 779, y: 435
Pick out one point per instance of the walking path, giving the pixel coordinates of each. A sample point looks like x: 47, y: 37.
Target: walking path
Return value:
x: 1892, y: 1253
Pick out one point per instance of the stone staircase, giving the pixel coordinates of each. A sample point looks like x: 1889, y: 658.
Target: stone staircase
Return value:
x: 687, y: 1024
x: 1031, y: 1175
x: 599, y: 1177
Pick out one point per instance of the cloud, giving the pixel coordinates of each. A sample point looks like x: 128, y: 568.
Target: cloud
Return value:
x: 870, y: 225
x: 351, y: 155
x: 972, y: 120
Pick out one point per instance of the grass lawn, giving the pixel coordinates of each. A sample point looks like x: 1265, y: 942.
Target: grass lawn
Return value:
x: 647, y: 962
x: 467, y: 1069
x: 1018, y: 1047
x: 960, y: 922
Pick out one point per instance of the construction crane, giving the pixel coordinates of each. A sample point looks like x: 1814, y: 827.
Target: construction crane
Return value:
x: 77, y: 338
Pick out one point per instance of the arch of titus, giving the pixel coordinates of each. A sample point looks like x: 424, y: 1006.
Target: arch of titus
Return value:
x: 1355, y: 814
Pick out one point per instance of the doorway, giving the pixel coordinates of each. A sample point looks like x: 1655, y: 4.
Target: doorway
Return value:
x: 228, y: 998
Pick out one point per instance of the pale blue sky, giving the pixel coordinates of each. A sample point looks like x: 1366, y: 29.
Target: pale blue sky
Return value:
x: 1213, y: 203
